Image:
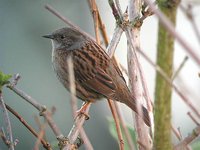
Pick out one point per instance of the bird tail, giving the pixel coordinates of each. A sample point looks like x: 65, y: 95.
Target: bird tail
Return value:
x: 144, y: 112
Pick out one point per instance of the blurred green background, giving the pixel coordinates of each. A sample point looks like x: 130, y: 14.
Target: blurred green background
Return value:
x: 24, y: 51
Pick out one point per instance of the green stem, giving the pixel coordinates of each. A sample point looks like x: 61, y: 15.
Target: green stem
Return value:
x: 163, y: 91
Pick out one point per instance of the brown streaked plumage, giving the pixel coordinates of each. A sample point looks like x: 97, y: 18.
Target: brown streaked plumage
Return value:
x: 96, y: 75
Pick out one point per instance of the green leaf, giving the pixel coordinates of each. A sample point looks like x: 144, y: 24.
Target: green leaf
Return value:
x: 113, y: 132
x: 4, y: 79
x: 196, y: 145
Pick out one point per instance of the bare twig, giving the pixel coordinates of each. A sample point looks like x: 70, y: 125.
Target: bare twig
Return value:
x: 112, y: 107
x: 95, y: 14
x: 163, y: 74
x: 43, y: 111
x: 176, y: 133
x: 45, y: 144
x: 40, y: 136
x: 7, y: 123
x: 3, y: 137
x: 126, y: 132
x: 193, y: 118
x: 190, y: 16
x: 87, y: 143
x: 172, y: 31
x: 72, y: 86
x: 117, y: 124
x: 74, y: 132
x: 195, y: 133
x: 180, y: 67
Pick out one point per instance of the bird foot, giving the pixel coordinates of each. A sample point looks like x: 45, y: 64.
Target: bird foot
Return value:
x: 82, y: 111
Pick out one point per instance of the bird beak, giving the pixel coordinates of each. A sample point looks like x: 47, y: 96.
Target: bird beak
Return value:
x: 48, y: 36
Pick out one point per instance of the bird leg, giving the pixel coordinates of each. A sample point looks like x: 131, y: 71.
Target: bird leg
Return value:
x: 82, y: 110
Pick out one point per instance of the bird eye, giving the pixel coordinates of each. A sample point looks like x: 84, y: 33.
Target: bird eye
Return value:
x: 62, y: 37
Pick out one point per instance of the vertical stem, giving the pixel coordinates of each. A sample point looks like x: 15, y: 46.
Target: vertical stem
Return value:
x: 133, y: 35
x: 163, y: 91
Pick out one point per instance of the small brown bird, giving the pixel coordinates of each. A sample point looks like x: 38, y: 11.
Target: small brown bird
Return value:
x: 96, y: 74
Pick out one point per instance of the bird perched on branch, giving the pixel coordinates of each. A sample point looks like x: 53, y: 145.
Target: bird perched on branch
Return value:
x: 96, y: 74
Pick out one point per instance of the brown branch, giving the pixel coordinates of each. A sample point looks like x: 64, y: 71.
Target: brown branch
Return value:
x: 45, y: 144
x: 95, y: 15
x: 187, y: 140
x: 40, y: 136
x: 111, y: 104
x: 41, y: 108
x: 117, y: 124
x: 126, y: 132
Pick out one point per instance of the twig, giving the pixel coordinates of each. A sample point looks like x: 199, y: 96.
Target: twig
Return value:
x: 180, y: 67
x: 74, y: 132
x: 95, y: 14
x: 195, y: 133
x: 72, y: 88
x: 40, y: 136
x: 45, y: 144
x: 162, y: 73
x: 7, y: 123
x: 190, y: 16
x: 114, y: 41
x: 117, y: 124
x: 112, y: 107
x: 87, y: 143
x: 43, y: 111
x: 176, y: 132
x: 126, y: 132
x: 3, y: 137
x: 65, y: 20
x: 115, y: 12
x: 193, y: 118
x: 162, y: 18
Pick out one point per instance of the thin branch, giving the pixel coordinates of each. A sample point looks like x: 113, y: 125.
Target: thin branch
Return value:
x: 95, y: 15
x: 7, y: 123
x: 40, y: 136
x: 180, y: 67
x: 163, y: 74
x: 176, y: 132
x: 193, y: 118
x: 187, y: 140
x: 190, y: 16
x: 162, y: 18
x: 117, y: 124
x: 43, y: 111
x: 45, y: 144
x: 72, y: 88
x: 87, y: 142
x: 74, y: 132
x: 112, y: 107
x: 65, y: 20
x: 3, y: 137
x: 126, y: 132
x: 115, y: 12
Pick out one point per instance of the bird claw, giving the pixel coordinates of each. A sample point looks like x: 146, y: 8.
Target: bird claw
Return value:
x: 82, y: 111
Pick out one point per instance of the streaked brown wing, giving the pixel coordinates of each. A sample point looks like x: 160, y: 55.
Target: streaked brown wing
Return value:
x: 89, y: 69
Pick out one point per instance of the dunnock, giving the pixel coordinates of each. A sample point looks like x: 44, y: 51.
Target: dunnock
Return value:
x: 96, y: 74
